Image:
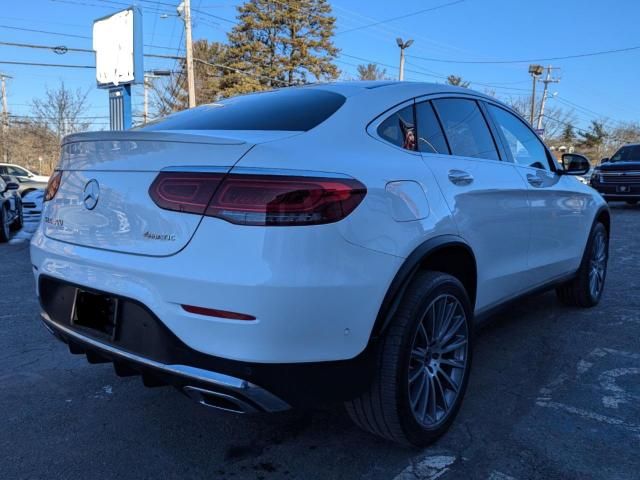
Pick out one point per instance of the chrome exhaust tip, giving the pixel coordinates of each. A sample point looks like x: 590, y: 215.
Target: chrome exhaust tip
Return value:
x: 218, y: 400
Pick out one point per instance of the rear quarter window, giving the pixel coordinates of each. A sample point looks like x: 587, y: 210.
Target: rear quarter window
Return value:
x: 289, y: 109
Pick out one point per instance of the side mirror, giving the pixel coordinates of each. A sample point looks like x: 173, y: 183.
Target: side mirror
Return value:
x: 12, y: 186
x: 575, y: 164
x: 605, y: 160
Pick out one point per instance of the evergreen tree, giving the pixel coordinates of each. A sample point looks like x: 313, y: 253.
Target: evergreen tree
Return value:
x: 457, y: 81
x: 276, y: 44
x: 171, y: 95
x: 568, y: 134
x: 371, y: 71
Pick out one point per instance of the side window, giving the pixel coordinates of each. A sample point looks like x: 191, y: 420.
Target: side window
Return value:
x: 3, y: 186
x: 16, y: 171
x: 524, y: 146
x: 466, y: 128
x: 430, y: 136
x: 3, y: 170
x: 400, y: 129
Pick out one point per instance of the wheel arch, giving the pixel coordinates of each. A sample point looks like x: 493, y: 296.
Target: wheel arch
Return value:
x: 603, y: 216
x: 448, y: 254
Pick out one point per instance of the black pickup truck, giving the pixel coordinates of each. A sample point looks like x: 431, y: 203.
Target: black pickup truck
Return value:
x: 618, y: 178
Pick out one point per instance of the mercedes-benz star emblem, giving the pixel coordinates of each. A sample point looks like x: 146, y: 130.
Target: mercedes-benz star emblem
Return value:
x: 91, y: 194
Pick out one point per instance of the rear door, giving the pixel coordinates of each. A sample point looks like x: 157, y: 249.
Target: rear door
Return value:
x: 486, y: 195
x: 561, y: 208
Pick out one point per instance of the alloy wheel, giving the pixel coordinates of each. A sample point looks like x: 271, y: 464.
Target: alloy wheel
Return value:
x: 439, y: 358
x: 598, y: 265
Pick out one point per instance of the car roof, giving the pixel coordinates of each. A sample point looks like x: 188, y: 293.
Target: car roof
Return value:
x: 349, y: 88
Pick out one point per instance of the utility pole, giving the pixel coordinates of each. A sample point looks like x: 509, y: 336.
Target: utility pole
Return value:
x: 535, y: 71
x: 5, y: 117
x: 547, y: 80
x: 184, y: 10
x: 403, y: 46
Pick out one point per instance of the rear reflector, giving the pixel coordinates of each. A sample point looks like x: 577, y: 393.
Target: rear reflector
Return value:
x: 212, y: 312
x: 267, y: 200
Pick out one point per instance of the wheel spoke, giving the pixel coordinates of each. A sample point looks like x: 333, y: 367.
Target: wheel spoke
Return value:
x: 452, y: 330
x: 452, y: 362
x: 448, y: 379
x: 452, y: 347
x: 416, y: 374
x: 445, y: 405
x: 415, y: 398
x: 432, y: 399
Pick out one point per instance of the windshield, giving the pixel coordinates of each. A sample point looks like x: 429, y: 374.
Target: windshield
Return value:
x: 630, y: 153
x: 289, y: 109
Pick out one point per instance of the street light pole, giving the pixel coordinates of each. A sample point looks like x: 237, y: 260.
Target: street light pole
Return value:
x: 535, y: 71
x: 184, y: 10
x: 403, y: 46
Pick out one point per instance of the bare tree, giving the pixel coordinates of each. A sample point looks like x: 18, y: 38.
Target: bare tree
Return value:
x: 554, y: 120
x: 61, y: 111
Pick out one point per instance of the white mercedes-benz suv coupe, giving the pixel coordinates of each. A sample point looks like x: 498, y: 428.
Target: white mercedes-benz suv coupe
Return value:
x: 333, y: 242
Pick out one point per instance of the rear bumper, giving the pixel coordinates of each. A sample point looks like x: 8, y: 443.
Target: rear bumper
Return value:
x: 144, y: 346
x: 207, y: 387
x: 314, y: 296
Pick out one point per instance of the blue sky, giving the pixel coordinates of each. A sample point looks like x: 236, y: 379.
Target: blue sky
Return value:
x: 471, y: 30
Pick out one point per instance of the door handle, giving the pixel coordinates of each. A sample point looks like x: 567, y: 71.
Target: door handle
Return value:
x: 460, y: 177
x: 535, y: 181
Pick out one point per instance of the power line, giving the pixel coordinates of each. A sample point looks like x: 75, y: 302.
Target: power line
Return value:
x: 400, y: 17
x: 34, y: 64
x: 71, y: 35
x: 532, y: 60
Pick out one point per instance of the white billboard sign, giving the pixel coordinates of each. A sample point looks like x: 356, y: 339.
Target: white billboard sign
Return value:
x: 118, y: 46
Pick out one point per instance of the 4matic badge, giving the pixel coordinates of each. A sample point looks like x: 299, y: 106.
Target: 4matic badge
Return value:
x: 167, y: 237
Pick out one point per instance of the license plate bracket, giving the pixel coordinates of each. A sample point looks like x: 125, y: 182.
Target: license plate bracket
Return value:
x: 96, y: 312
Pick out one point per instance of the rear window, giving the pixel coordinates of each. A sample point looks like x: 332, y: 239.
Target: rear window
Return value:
x: 289, y: 109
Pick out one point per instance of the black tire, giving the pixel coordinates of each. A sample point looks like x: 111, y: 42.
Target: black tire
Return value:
x: 578, y: 292
x: 386, y: 409
x: 4, y: 224
x: 18, y: 222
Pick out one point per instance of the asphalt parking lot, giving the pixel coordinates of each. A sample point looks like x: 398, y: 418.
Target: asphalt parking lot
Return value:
x: 554, y: 393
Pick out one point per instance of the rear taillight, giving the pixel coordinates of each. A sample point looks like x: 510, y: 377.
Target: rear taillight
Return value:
x: 251, y: 199
x: 184, y: 192
x: 53, y: 185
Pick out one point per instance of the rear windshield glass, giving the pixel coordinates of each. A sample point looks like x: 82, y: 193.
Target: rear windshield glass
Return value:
x: 629, y: 153
x: 289, y: 109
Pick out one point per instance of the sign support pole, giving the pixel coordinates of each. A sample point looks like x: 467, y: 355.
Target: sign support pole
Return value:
x: 120, y: 107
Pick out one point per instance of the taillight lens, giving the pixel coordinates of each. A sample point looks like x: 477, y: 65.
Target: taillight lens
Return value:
x: 184, y: 192
x: 53, y: 185
x: 267, y: 200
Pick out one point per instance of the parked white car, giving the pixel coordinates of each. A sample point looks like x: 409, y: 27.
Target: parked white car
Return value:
x: 322, y: 243
x: 21, y: 172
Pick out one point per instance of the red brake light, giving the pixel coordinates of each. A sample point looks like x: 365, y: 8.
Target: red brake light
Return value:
x: 252, y: 199
x: 52, y: 185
